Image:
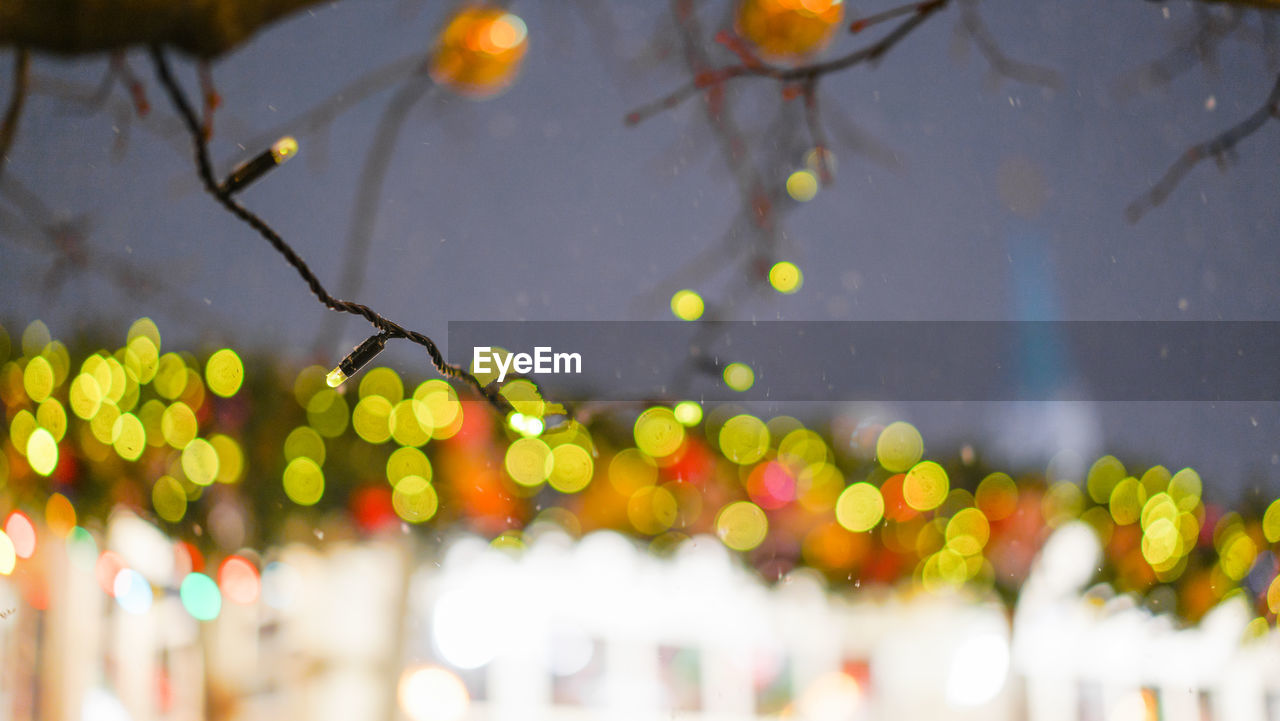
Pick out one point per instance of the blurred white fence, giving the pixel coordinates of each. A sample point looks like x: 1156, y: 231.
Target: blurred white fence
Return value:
x: 597, y: 628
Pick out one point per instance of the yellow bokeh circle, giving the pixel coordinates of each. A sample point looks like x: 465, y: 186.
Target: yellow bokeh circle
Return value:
x: 899, y: 446
x: 405, y: 462
x: 200, y: 462
x: 37, y: 379
x: 967, y: 532
x: 177, y: 424
x: 410, y: 422
x: 1271, y: 522
x: 371, y: 418
x: 651, y: 510
x: 658, y: 432
x: 785, y: 277
x: 414, y: 499
x: 529, y: 461
x: 42, y: 451
x: 860, y: 507
x: 744, y: 439
x: 303, y: 481
x: 572, y: 467
x: 168, y: 498
x: 224, y: 373
x: 384, y: 382
x: 802, y: 185
x: 925, y: 486
x: 304, y: 442
x: 687, y: 305
x: 52, y: 417
x: 130, y: 437
x: 739, y: 376
x: 742, y: 525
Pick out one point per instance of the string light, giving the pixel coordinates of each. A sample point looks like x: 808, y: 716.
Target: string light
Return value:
x: 389, y: 329
x: 357, y: 359
x: 264, y: 162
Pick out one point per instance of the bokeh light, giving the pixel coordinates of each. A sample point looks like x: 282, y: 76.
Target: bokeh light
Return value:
x: 997, y: 496
x: 802, y: 185
x: 899, y: 446
x: 42, y: 451
x: 788, y: 29
x: 169, y: 499
x: 59, y: 515
x: 688, y: 413
x: 408, y: 461
x: 925, y: 486
x: 658, y: 432
x: 744, y: 439
x: 529, y: 461
x: 687, y: 305
x: 22, y: 533
x: 479, y: 52
x: 8, y: 554
x: 303, y: 481
x: 739, y: 376
x: 414, y: 499
x: 224, y: 372
x: 200, y: 462
x: 785, y: 277
x: 742, y: 525
x: 431, y: 693
x: 200, y: 596
x: 132, y: 591
x: 304, y: 442
x: 860, y: 507
x: 238, y: 579
x: 571, y: 469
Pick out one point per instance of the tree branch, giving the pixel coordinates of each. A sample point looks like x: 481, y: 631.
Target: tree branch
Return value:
x: 18, y: 96
x: 1218, y: 147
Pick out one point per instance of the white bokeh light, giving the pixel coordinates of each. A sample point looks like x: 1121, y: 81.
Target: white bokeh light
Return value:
x: 978, y: 670
x: 431, y: 693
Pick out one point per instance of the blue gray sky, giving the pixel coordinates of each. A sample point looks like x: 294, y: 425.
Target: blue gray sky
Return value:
x: 541, y: 204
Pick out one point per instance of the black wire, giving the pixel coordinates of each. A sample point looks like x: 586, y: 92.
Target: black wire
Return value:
x: 389, y: 328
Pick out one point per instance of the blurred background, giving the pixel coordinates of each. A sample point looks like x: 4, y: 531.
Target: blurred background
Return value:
x: 197, y: 526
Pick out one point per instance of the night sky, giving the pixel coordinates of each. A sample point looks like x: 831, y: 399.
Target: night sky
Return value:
x: 993, y: 200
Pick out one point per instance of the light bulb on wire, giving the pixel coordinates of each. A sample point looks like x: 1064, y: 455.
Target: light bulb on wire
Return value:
x: 358, y: 358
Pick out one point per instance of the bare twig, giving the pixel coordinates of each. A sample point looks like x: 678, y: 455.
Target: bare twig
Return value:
x: 1000, y: 63
x: 1218, y: 147
x: 342, y: 100
x: 754, y: 67
x: 35, y: 225
x: 17, y: 96
x: 1211, y: 30
x: 820, y: 145
x: 849, y: 133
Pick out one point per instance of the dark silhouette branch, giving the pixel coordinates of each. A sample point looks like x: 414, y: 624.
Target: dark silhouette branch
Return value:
x: 1218, y: 147
x: 202, y: 29
x: 1199, y: 47
x: 1000, y: 63
x: 17, y: 96
x: 36, y: 226
x: 348, y: 96
x: 754, y: 67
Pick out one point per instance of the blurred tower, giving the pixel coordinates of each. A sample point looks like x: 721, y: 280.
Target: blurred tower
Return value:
x: 1029, y: 432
